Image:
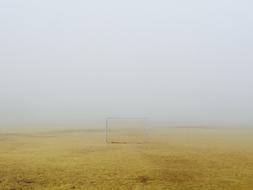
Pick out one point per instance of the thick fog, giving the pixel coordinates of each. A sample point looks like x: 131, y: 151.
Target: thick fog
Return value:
x: 74, y: 61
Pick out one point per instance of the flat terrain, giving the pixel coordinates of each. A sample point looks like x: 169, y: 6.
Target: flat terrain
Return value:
x: 174, y: 158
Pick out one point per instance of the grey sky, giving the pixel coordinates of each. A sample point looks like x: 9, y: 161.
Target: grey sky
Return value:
x: 78, y: 60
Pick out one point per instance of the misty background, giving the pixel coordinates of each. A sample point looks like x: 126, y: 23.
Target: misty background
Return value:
x: 74, y: 61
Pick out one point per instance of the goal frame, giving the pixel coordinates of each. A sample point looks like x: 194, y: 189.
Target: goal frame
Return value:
x: 107, y: 128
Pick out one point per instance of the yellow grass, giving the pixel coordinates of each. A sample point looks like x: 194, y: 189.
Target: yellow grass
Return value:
x: 174, y: 158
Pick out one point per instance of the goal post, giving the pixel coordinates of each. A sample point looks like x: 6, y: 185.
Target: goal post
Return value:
x: 125, y: 130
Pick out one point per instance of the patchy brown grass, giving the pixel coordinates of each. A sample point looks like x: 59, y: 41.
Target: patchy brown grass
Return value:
x: 174, y: 158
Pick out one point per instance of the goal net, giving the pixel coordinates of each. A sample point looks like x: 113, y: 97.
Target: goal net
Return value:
x: 126, y: 130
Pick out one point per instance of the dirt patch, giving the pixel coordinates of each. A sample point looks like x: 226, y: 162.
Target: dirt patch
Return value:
x: 143, y: 179
x: 25, y: 181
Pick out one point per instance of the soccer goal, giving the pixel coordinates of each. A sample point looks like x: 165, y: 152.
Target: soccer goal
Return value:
x: 126, y: 130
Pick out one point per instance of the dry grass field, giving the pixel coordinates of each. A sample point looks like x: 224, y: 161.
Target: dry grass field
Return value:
x: 174, y: 159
